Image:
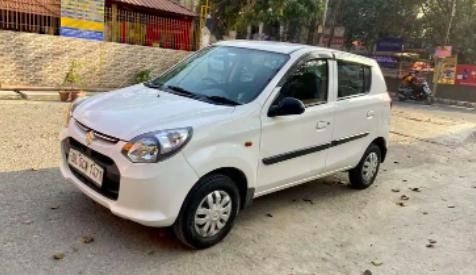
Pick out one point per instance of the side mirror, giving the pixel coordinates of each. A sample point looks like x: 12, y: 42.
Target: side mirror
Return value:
x: 286, y: 107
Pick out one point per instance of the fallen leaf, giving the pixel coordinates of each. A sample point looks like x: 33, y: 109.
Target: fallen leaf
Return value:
x: 400, y: 203
x: 376, y: 263
x: 396, y: 190
x: 396, y: 162
x: 87, y: 239
x: 432, y: 241
x: 367, y: 272
x: 451, y: 206
x: 430, y: 245
x: 404, y: 180
x: 415, y: 189
x: 54, y: 207
x: 404, y: 197
x: 269, y: 215
x: 58, y: 256
x: 424, y: 213
x: 308, y: 200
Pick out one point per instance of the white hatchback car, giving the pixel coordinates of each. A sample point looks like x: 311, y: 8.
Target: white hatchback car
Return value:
x: 230, y: 123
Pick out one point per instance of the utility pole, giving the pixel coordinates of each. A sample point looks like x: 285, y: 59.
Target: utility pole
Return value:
x: 335, y: 15
x: 446, y: 42
x: 324, y: 18
x: 450, y: 24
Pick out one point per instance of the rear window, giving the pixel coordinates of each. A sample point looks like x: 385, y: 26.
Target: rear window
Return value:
x: 354, y: 79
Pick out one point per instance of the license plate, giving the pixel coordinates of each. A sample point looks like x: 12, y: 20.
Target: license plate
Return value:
x: 86, y: 166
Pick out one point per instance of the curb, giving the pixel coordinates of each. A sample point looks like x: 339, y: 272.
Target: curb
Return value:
x: 34, y: 96
x: 444, y: 101
x: 459, y: 103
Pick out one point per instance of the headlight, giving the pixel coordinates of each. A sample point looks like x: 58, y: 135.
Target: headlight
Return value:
x: 155, y: 146
x: 71, y: 108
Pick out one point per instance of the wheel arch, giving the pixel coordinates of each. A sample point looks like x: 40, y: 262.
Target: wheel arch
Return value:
x: 382, y: 144
x: 238, y: 177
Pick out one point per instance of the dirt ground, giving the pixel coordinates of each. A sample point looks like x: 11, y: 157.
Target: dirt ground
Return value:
x: 322, y: 227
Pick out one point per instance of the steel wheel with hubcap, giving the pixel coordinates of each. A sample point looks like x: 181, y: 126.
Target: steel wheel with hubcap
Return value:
x: 212, y: 213
x: 369, y: 168
x: 363, y: 175
x: 208, y: 212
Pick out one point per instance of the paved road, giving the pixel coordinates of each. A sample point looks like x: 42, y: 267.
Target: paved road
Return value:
x: 321, y: 227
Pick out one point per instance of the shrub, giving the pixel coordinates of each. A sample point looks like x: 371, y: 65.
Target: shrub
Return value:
x: 142, y: 76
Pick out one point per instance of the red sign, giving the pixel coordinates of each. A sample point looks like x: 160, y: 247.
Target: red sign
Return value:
x: 443, y: 51
x: 466, y: 75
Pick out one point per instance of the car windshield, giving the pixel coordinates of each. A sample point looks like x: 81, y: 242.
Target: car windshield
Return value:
x: 222, y: 75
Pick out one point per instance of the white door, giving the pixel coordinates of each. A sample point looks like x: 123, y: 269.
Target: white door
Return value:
x: 294, y: 147
x: 355, y: 118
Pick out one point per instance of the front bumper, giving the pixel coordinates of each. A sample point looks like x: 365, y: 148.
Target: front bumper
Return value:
x: 149, y: 194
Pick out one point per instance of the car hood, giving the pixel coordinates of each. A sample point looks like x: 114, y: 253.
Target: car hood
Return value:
x: 129, y: 112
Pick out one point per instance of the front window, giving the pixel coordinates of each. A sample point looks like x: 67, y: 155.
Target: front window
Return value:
x: 308, y: 82
x: 223, y: 75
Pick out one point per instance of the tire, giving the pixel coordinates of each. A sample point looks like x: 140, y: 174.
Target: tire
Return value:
x: 198, y: 235
x: 358, y: 177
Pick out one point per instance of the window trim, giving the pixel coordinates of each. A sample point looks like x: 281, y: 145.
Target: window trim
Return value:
x: 306, y: 57
x: 338, y: 80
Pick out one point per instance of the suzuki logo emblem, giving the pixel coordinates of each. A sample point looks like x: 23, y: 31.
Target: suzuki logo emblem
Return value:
x: 89, y: 137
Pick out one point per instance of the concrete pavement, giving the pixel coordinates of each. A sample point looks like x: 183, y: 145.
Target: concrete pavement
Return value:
x: 322, y: 227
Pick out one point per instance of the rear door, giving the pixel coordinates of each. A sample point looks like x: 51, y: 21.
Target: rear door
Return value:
x: 355, y: 117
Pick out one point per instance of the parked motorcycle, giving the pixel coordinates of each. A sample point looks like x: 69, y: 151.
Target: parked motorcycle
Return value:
x: 421, y: 93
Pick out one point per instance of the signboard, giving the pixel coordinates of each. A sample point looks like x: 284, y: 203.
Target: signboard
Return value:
x: 447, y: 70
x: 443, y: 51
x: 466, y: 75
x: 82, y: 19
x: 386, y: 61
x: 389, y: 44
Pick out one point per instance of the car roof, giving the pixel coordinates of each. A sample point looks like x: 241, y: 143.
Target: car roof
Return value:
x: 288, y: 48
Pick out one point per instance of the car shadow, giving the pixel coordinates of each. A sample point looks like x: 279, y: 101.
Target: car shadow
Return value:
x: 41, y: 203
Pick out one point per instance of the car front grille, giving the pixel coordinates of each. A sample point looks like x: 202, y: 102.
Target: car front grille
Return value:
x: 111, y: 178
x: 96, y: 134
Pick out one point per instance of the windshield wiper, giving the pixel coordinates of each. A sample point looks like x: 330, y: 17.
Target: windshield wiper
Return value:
x: 181, y: 91
x: 152, y: 85
x: 213, y: 98
x: 222, y: 100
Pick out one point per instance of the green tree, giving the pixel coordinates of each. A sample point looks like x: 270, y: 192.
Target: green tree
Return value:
x: 294, y: 14
x: 435, y: 19
x: 370, y: 20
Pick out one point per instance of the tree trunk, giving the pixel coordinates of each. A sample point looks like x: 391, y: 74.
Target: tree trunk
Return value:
x: 335, y: 13
x: 312, y: 31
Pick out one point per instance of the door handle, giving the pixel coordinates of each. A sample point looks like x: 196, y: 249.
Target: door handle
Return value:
x: 370, y: 114
x: 322, y: 124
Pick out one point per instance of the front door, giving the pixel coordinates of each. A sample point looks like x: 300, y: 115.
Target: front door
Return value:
x: 294, y: 147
